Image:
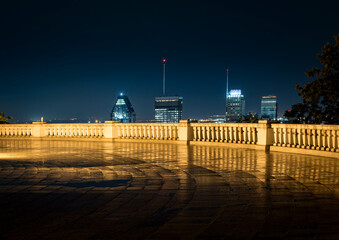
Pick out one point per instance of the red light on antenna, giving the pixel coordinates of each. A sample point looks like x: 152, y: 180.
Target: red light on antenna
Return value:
x: 164, y: 60
x: 228, y: 69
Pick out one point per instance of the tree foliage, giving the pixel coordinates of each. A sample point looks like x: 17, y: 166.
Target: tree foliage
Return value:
x: 251, y: 118
x: 4, y: 119
x: 320, y: 102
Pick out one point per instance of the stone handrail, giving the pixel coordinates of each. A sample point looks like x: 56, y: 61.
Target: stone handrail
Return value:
x: 278, y: 137
x: 316, y: 137
x: 24, y: 130
x: 159, y: 131
x: 246, y: 133
x: 74, y: 130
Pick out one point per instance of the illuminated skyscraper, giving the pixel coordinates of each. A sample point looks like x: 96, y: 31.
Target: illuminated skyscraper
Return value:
x: 269, y: 107
x: 168, y: 109
x: 235, y: 106
x: 122, y: 110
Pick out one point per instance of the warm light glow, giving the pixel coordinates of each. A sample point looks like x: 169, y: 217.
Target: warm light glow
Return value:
x: 164, y: 60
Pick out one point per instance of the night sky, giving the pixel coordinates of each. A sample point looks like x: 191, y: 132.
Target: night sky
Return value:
x: 71, y: 59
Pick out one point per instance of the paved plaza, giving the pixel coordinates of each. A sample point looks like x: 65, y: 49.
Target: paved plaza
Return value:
x: 103, y: 190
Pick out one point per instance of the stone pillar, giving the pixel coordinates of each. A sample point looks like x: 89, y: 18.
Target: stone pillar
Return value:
x: 265, y: 134
x: 38, y: 129
x: 185, y: 132
x: 110, y: 129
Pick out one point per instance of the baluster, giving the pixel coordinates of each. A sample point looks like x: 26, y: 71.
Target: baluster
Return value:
x: 308, y: 137
x: 212, y: 133
x: 299, y: 138
x: 293, y: 135
x: 222, y: 133
x: 314, y: 139
x: 324, y: 144
x: 142, y: 132
x: 203, y: 133
x: 208, y: 133
x: 198, y: 133
x: 148, y: 132
x: 230, y: 134
x: 334, y: 140
x: 236, y: 134
x: 319, y: 138
x: 304, y: 138
x: 153, y: 132
x: 167, y: 127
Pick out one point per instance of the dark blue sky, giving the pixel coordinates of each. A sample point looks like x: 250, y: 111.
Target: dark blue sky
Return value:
x: 71, y: 59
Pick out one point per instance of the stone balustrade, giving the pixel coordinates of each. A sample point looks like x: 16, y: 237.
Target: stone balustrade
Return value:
x: 278, y: 137
x: 24, y: 130
x: 95, y: 130
x: 225, y: 132
x: 158, y: 131
x: 316, y: 137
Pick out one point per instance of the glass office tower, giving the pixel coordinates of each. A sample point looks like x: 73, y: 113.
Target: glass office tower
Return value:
x: 168, y: 109
x: 235, y: 106
x: 122, y: 110
x: 269, y: 107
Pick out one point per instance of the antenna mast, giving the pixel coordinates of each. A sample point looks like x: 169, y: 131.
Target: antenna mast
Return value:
x: 163, y: 77
x: 226, y: 94
x: 227, y: 84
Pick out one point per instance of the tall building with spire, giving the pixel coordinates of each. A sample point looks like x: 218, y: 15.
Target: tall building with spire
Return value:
x: 122, y: 110
x: 235, y: 105
x: 167, y: 108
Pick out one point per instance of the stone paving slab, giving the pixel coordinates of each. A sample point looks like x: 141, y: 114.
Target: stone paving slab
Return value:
x: 103, y: 190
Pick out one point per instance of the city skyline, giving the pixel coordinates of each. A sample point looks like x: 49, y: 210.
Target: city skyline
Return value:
x: 69, y: 60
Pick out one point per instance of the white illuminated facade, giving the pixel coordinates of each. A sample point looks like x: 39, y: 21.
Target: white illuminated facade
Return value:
x: 122, y: 110
x: 168, y: 109
x: 235, y: 105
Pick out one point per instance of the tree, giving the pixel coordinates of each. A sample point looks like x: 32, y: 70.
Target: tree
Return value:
x: 320, y: 98
x: 251, y: 118
x: 4, y: 119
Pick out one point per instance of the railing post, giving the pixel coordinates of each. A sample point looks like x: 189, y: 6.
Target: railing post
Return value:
x: 111, y: 129
x: 265, y: 134
x: 38, y: 129
x: 185, y: 131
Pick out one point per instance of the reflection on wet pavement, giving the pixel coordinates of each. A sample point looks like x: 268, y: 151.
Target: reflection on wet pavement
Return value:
x: 103, y: 190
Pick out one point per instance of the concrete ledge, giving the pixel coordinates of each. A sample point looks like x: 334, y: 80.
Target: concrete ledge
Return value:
x: 223, y: 144
x: 226, y: 144
x: 147, y: 140
x: 305, y: 151
x: 85, y: 139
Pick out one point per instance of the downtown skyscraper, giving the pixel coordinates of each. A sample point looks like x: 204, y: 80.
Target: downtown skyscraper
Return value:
x: 269, y: 107
x: 235, y: 105
x: 167, y: 108
x: 122, y: 110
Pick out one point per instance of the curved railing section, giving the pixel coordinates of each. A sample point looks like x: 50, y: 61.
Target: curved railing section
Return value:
x: 225, y: 132
x: 316, y: 137
x: 301, y: 138
x: 157, y: 131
